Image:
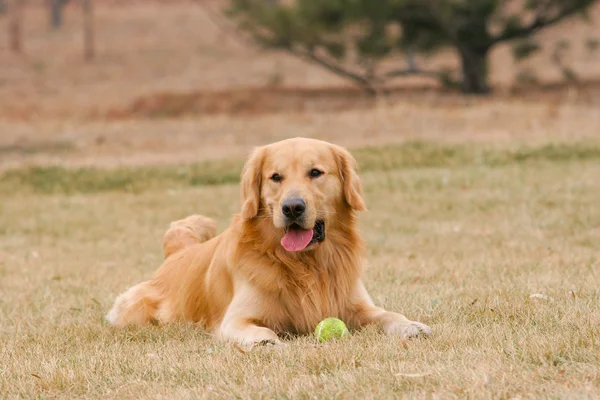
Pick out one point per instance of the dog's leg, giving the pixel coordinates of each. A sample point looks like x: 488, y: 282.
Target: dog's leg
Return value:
x: 240, y: 323
x: 139, y: 305
x: 364, y: 312
x: 188, y: 231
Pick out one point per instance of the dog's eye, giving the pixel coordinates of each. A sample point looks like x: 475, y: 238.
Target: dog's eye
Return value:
x: 276, y: 177
x: 315, y: 173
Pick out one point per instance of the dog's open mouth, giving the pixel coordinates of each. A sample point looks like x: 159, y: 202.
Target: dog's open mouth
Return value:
x: 296, y: 238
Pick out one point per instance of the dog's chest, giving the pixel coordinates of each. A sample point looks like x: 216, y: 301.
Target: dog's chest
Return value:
x: 304, y: 303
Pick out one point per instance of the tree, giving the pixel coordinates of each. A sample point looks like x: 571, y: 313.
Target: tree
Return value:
x: 56, y: 12
x: 89, y: 50
x: 351, y: 37
x: 15, y: 36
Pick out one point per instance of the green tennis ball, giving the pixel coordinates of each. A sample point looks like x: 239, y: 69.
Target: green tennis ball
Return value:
x: 331, y: 328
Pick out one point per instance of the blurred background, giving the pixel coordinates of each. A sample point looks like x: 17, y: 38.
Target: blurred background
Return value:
x: 475, y: 125
x: 81, y: 79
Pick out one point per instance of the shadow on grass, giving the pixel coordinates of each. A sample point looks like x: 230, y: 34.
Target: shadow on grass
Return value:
x: 55, y: 179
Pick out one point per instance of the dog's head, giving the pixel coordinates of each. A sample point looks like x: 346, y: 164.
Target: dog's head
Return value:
x: 301, y: 185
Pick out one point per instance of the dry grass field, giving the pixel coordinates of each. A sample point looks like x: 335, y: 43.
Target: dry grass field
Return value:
x: 475, y: 205
x: 460, y: 236
x: 169, y: 141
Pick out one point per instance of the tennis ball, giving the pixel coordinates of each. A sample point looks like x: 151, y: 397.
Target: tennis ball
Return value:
x: 331, y: 328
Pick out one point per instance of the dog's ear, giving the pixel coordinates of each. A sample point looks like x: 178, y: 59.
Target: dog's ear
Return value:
x: 352, y: 187
x: 251, y: 182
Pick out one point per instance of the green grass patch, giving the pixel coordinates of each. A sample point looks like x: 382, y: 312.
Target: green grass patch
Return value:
x: 57, y: 179
x: 40, y: 147
x: 427, y: 154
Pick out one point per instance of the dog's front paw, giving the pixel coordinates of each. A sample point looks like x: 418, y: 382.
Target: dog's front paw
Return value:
x: 407, y: 329
x: 271, y: 343
x: 245, y: 346
x: 251, y: 336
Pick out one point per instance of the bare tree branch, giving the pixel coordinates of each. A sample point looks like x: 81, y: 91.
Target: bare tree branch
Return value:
x: 537, y: 24
x: 367, y: 79
x: 227, y: 28
x: 307, y: 55
x: 311, y: 56
x: 411, y: 71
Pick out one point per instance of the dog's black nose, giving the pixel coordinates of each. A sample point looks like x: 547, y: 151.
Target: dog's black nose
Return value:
x: 293, y: 208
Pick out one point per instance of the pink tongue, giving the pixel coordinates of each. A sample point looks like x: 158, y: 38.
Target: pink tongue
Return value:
x: 296, y: 239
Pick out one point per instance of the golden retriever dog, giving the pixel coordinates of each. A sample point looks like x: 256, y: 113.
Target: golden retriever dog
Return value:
x: 291, y: 258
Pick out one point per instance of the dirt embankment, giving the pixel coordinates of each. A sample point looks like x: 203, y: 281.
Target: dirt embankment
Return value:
x: 249, y: 101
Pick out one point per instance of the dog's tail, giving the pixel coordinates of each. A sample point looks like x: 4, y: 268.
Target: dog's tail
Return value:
x: 142, y: 304
x: 188, y: 231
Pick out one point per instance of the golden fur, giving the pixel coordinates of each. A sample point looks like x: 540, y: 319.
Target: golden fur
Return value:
x: 242, y: 285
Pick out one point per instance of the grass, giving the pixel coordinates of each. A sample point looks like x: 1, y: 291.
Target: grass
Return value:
x: 459, y: 236
x: 58, y: 179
